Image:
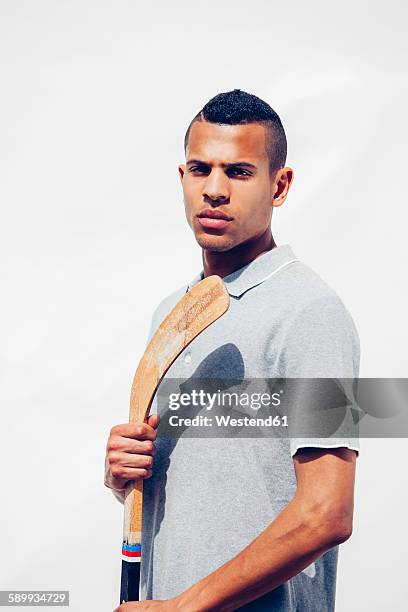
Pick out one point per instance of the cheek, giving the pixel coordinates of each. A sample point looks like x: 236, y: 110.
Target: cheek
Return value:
x: 255, y: 204
x: 188, y: 194
x: 188, y: 205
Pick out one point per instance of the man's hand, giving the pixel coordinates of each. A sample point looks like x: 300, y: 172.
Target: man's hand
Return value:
x: 129, y: 453
x: 167, y: 605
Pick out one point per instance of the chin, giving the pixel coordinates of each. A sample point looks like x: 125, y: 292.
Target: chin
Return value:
x: 214, y: 243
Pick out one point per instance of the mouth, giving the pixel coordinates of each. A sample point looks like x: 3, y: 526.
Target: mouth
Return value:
x: 213, y: 223
x: 214, y: 219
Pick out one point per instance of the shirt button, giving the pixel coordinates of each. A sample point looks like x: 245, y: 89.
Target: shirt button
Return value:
x: 187, y: 358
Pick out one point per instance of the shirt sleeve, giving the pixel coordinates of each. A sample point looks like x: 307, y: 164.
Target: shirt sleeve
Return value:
x: 322, y: 342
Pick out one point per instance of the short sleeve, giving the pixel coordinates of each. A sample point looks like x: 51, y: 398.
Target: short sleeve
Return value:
x: 322, y: 342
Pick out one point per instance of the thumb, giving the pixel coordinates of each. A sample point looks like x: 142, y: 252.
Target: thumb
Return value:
x: 153, y: 420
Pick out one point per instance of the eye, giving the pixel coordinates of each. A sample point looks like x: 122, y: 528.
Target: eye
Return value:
x: 198, y: 169
x: 238, y: 172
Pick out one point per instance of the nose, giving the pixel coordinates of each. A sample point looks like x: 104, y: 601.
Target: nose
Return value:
x: 216, y: 186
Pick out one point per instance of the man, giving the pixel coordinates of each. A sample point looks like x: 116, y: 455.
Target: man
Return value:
x: 244, y: 523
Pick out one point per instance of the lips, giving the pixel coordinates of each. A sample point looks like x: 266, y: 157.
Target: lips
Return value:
x: 214, y: 219
x: 214, y: 214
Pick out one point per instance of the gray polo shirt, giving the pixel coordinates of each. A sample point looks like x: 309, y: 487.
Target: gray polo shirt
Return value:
x: 209, y: 498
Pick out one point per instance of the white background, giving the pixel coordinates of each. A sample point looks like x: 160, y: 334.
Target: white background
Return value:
x: 95, y: 99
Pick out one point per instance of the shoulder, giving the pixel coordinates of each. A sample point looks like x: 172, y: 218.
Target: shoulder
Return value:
x: 317, y: 303
x: 300, y: 293
x: 320, y: 337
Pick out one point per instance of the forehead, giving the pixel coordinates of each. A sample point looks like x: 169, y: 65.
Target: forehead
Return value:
x: 227, y: 142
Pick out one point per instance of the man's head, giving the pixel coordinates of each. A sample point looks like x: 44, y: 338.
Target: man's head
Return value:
x: 235, y: 164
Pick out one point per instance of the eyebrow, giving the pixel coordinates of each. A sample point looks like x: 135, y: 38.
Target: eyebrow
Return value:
x: 230, y: 165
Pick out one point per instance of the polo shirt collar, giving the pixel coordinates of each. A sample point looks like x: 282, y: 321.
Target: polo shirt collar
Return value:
x: 254, y: 273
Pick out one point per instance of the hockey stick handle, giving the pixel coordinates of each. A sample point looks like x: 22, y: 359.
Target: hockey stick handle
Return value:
x: 132, y: 541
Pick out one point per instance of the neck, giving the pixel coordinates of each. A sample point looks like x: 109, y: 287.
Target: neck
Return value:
x: 223, y: 263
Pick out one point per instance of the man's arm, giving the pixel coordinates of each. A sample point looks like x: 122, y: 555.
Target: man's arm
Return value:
x: 318, y: 517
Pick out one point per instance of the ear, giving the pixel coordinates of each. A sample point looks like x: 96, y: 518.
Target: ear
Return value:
x: 282, y: 183
x: 181, y: 169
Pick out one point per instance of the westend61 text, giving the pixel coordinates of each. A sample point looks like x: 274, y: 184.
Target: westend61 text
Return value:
x: 228, y: 421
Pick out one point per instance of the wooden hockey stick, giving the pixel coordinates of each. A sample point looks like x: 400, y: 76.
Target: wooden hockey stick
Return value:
x: 197, y: 309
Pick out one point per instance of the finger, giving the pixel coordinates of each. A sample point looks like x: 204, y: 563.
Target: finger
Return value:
x: 130, y: 460
x: 129, y: 445
x: 139, y: 431
x: 154, y: 420
x: 124, y: 473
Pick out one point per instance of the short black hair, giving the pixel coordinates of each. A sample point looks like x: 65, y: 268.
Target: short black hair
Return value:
x: 237, y: 107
